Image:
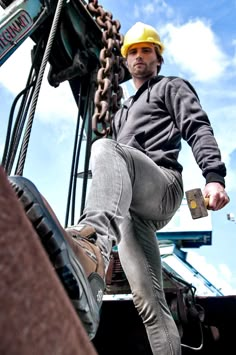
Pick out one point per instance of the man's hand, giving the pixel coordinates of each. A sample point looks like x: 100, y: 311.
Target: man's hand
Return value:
x: 217, y: 195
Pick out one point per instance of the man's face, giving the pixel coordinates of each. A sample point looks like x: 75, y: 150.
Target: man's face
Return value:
x: 142, y: 60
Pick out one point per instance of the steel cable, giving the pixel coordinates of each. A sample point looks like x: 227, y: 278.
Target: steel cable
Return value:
x: 25, y: 142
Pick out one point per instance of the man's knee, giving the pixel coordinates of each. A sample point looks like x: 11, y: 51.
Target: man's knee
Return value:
x: 101, y: 145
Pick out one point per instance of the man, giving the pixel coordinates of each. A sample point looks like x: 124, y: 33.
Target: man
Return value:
x: 136, y: 189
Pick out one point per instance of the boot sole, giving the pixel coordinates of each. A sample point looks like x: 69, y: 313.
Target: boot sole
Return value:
x: 66, y: 264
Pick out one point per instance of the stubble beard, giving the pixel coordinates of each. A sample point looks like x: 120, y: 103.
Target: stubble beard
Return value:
x: 143, y: 74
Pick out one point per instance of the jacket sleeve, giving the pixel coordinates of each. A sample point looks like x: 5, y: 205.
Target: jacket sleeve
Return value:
x: 194, y: 125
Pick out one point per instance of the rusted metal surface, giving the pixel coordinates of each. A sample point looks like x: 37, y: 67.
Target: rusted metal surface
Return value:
x: 109, y: 93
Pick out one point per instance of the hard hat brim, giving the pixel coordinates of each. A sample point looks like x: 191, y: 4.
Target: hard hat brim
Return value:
x: 125, y: 48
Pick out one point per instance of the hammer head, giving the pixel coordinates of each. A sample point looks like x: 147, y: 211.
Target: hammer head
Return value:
x: 196, y: 203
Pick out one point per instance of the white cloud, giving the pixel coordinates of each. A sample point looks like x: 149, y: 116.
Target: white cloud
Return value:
x: 57, y: 103
x: 1, y: 149
x: 136, y: 11
x: 234, y: 58
x: 220, y: 277
x: 54, y: 104
x: 149, y: 9
x: 192, y: 175
x: 14, y: 72
x: 195, y: 49
x: 223, y: 118
x: 158, y: 7
x: 163, y: 7
x: 226, y: 272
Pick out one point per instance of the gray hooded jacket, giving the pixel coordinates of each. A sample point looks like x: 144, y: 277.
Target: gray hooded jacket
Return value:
x: 164, y: 110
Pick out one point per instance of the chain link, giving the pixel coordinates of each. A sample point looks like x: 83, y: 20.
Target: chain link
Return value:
x: 109, y: 93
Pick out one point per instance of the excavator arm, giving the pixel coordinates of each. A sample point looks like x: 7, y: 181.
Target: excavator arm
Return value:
x: 81, y: 42
x: 78, y: 39
x: 20, y: 20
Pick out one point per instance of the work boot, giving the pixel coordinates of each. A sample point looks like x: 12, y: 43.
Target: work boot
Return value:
x: 74, y: 254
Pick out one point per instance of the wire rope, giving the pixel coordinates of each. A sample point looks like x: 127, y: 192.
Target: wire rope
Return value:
x: 25, y: 142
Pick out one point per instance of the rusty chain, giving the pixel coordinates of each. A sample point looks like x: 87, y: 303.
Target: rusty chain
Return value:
x: 109, y: 93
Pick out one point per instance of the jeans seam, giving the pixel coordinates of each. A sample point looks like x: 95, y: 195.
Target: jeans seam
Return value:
x: 128, y: 161
x: 119, y: 196
x: 149, y: 270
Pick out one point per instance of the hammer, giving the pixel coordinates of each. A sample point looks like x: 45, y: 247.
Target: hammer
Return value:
x: 197, y: 203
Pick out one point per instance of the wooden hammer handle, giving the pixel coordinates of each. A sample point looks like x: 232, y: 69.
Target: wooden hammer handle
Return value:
x: 206, y: 201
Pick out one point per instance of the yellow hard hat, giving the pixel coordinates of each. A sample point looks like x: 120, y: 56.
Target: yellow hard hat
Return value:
x: 139, y: 33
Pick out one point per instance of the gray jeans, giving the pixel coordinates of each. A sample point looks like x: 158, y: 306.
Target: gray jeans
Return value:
x: 129, y: 199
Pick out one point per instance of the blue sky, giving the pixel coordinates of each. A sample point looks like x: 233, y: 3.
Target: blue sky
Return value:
x: 200, y: 46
